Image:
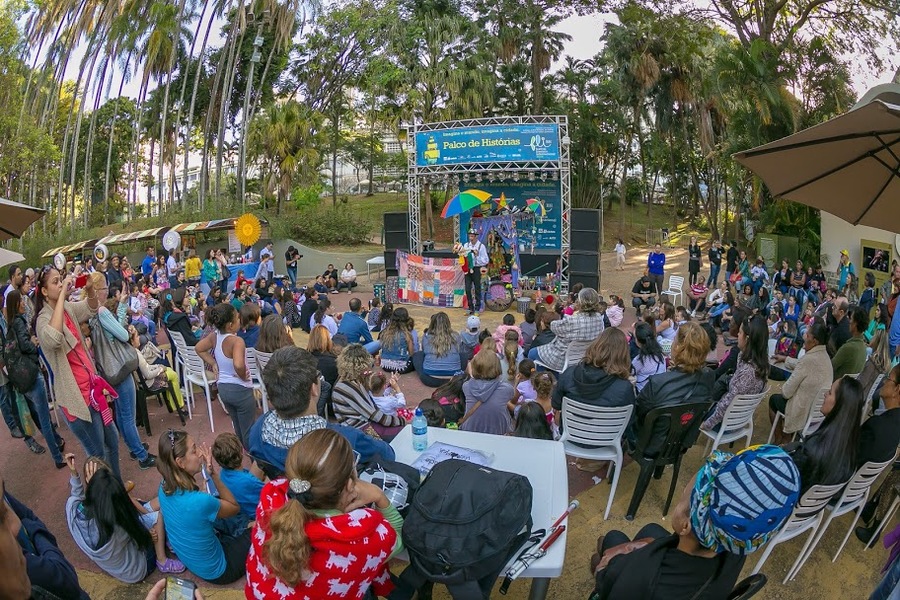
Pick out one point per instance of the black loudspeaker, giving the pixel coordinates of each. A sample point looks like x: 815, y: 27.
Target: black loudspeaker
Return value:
x: 390, y: 263
x: 585, y: 230
x: 396, y: 231
x: 585, y: 279
x: 584, y: 262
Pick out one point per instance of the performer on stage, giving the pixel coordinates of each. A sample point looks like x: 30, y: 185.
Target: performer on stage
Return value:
x: 475, y: 264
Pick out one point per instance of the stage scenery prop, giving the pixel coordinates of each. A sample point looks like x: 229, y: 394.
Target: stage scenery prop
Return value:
x: 247, y: 229
x: 436, y: 282
x: 538, y: 206
x: 464, y: 201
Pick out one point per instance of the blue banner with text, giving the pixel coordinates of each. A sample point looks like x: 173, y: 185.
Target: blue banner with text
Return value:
x: 492, y: 143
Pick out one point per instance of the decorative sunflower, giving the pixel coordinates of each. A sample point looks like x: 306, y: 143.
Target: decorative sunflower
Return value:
x: 248, y: 229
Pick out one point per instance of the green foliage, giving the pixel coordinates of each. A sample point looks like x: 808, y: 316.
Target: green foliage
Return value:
x: 325, y: 226
x: 790, y: 218
x: 307, y: 197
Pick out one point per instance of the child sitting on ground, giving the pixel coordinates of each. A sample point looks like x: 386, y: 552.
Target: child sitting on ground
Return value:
x: 528, y: 328
x: 524, y: 390
x: 243, y: 485
x: 319, y: 286
x: 511, y: 354
x: 509, y: 324
x: 373, y: 319
x: 451, y: 398
x: 483, y: 338
x: 543, y: 383
x: 615, y: 311
x: 385, y: 392
x: 531, y: 423
x: 434, y: 412
x: 469, y: 338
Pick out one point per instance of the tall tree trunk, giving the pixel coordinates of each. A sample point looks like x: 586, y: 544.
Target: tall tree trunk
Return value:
x: 150, y: 181
x: 188, y: 127
x: 230, y: 72
x: 623, y: 187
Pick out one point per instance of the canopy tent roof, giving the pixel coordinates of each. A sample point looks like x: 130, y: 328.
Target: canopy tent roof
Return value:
x: 70, y: 248
x: 15, y: 218
x: 146, y: 234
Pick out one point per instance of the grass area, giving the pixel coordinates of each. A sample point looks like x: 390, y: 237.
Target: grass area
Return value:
x: 637, y: 223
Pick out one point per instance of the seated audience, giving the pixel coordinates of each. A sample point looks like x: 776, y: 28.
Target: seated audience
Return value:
x: 386, y: 393
x: 751, y: 373
x: 442, y: 355
x: 316, y: 528
x: 687, y: 382
x: 850, y: 358
x: 308, y: 306
x: 615, y: 311
x: 323, y: 316
x: 37, y: 551
x: 499, y: 335
x: 244, y: 485
x: 527, y: 327
x: 351, y: 401
x: 544, y: 333
x: 113, y: 530
x: 643, y: 293
x: 809, y: 375
x: 397, y: 343
x: 354, y: 326
x: 714, y: 531
x: 292, y: 387
x: 582, y: 326
x: 531, y: 422
x: 838, y: 325
x: 878, y: 323
x: 199, y: 526
x: 829, y: 455
x: 321, y: 346
x: 250, y: 319
x: 601, y: 377
x: 649, y: 359
x: 273, y: 335
x: 487, y: 394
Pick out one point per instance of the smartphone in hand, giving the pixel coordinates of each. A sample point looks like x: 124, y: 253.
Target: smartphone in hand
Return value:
x: 179, y: 589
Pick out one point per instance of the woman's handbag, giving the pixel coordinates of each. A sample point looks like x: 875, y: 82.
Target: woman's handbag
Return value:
x: 115, y: 360
x: 21, y: 370
x: 735, y: 277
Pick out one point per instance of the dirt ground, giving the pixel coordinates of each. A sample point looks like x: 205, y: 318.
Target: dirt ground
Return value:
x: 853, y: 576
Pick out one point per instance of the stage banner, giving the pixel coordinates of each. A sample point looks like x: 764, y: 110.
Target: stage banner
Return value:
x: 430, y: 281
x: 541, y: 232
x: 490, y: 143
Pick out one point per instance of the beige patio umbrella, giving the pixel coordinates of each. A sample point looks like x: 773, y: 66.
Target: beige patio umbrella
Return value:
x: 8, y: 257
x: 15, y: 218
x: 847, y: 166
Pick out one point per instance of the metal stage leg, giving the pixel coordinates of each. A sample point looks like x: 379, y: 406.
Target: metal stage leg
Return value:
x: 539, y: 588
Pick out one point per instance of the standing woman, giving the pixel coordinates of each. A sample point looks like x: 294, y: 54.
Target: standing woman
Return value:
x: 229, y: 365
x: 57, y: 326
x: 210, y: 547
x: 224, y: 271
x: 656, y: 264
x: 209, y: 273
x: 694, y: 260
x: 126, y: 404
x: 620, y: 255
x: 36, y: 395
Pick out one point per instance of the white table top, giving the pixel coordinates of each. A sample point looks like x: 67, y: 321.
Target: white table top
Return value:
x: 542, y: 462
x: 376, y: 260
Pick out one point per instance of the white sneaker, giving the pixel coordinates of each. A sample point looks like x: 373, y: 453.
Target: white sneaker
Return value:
x: 334, y: 291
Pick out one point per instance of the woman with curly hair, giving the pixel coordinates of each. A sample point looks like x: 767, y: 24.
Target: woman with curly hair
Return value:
x: 351, y: 402
x: 442, y: 355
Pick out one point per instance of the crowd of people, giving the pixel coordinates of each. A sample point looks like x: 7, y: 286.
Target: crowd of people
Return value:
x: 279, y: 503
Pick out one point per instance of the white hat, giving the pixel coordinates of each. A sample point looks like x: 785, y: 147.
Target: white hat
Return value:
x: 473, y: 324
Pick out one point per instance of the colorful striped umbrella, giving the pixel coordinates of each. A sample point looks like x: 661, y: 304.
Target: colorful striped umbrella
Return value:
x: 463, y: 202
x: 536, y: 206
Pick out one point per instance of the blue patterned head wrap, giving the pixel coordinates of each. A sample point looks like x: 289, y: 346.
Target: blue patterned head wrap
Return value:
x: 740, y: 499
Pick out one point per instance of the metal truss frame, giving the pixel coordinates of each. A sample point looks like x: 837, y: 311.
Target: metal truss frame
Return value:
x: 499, y: 170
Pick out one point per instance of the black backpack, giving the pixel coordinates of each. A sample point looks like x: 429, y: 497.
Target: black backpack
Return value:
x: 21, y: 370
x: 464, y: 524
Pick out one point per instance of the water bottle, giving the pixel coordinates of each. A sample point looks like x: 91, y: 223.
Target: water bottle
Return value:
x: 419, y: 431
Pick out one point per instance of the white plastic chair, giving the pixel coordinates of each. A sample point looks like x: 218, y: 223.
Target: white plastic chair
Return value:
x: 870, y: 398
x: 575, y: 352
x: 262, y: 359
x: 194, y: 371
x: 806, y: 516
x: 813, y: 419
x: 737, y: 422
x: 595, y: 433
x: 676, y: 285
x: 256, y: 376
x: 853, y: 498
